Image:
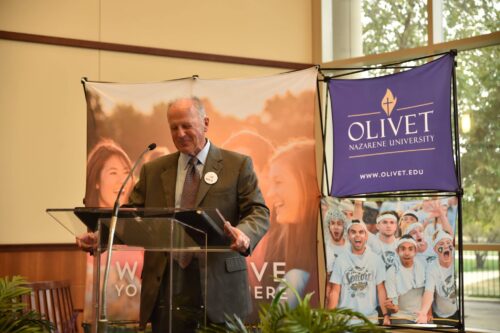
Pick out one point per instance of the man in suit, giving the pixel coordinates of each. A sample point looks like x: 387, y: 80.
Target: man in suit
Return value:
x: 228, y: 182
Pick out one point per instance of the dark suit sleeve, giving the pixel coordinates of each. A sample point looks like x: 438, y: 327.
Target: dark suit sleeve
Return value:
x: 254, y: 214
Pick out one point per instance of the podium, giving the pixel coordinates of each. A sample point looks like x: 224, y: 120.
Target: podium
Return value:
x: 175, y: 243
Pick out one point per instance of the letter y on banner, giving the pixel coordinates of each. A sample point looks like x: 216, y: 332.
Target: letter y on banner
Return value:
x: 393, y: 133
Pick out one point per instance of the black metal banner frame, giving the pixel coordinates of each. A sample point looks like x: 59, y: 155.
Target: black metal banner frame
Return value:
x: 324, y: 111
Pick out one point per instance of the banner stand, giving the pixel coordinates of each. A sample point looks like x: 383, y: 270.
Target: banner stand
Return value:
x: 271, y: 119
x: 324, y: 110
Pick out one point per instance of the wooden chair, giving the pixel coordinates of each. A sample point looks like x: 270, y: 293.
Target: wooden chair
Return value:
x: 52, y: 299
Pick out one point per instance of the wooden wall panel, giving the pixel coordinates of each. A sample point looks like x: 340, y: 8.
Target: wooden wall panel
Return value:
x: 42, y: 262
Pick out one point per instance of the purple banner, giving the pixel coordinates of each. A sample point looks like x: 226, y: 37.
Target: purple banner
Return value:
x: 393, y: 133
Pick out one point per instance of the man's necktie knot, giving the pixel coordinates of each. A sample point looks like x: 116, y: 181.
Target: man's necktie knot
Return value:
x: 191, y: 184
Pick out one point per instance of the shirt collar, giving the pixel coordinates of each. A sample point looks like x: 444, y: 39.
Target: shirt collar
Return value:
x: 201, y: 156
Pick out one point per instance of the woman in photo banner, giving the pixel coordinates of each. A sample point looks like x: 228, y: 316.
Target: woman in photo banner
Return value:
x: 260, y: 150
x: 107, y: 167
x: 294, y: 202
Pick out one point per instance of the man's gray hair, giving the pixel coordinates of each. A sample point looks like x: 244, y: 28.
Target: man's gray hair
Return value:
x: 197, y: 103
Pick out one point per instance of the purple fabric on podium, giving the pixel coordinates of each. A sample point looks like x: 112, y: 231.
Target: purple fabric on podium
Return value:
x: 393, y: 133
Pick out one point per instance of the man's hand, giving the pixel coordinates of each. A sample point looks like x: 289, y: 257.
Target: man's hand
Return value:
x: 87, y: 241
x: 430, y: 318
x: 422, y: 318
x: 435, y: 209
x: 240, y: 241
x: 391, y: 306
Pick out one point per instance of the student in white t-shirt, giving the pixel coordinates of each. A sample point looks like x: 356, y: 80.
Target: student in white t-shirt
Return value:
x: 358, y: 277
x: 347, y: 207
x: 405, y: 283
x: 335, y: 244
x: 440, y: 290
x: 384, y: 242
x: 424, y: 252
x: 409, y: 217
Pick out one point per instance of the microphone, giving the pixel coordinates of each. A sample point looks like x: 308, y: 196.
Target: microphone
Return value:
x: 116, y: 206
x: 102, y: 326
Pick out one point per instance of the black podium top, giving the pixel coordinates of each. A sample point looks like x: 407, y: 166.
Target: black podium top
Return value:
x: 206, y: 221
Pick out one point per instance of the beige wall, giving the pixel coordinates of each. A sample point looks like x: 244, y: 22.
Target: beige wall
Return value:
x: 42, y: 107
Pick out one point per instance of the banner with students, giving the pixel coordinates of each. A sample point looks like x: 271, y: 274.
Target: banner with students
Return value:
x: 270, y: 119
x: 393, y: 133
x: 392, y: 260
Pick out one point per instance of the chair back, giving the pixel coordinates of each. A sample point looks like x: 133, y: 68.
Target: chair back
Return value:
x: 52, y: 299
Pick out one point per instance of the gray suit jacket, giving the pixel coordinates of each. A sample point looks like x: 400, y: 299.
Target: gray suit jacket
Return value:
x: 237, y: 195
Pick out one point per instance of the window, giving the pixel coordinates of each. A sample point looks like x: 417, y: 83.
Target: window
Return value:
x: 463, y: 19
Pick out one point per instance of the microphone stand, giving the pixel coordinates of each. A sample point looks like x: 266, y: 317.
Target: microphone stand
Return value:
x: 102, y: 325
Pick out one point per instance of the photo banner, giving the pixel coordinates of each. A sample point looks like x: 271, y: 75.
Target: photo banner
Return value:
x: 393, y: 133
x: 271, y: 119
x: 407, y: 250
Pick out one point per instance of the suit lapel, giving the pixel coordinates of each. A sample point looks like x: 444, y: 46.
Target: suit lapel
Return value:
x: 168, y: 178
x: 213, y: 164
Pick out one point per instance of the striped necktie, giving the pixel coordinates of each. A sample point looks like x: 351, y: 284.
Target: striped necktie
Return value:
x: 191, y: 184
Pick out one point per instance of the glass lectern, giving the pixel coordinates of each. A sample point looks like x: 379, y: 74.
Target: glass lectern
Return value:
x: 175, y: 240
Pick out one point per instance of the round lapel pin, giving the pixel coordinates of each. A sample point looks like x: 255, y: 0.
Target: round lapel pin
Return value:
x: 210, y: 177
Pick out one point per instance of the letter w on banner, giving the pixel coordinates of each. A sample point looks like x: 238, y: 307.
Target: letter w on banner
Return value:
x: 270, y: 119
x: 393, y: 133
